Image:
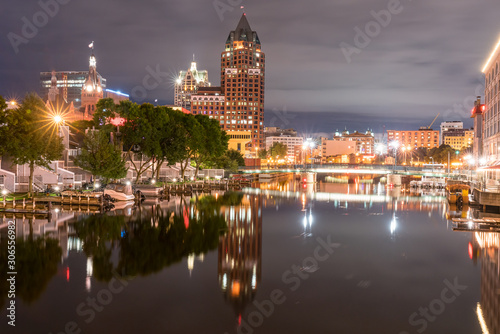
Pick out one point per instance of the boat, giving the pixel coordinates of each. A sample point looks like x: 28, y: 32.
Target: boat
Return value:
x: 119, y: 192
x: 429, y: 183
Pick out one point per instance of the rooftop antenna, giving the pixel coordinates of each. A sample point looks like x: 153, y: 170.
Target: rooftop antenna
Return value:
x: 91, y: 46
x: 243, y: 10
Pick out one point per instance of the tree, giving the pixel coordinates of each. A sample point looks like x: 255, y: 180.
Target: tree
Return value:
x: 230, y: 160
x: 263, y: 154
x: 100, y: 157
x: 190, y: 132
x: 3, y: 125
x: 32, y: 136
x: 277, y: 149
x: 212, y: 141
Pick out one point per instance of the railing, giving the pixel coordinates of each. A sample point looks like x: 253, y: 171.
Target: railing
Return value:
x: 38, y: 182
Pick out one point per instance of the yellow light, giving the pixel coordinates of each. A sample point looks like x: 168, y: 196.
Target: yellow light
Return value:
x: 57, y: 119
x: 13, y: 103
x: 491, y: 57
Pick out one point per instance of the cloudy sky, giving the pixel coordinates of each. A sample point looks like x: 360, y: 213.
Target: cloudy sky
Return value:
x: 422, y: 60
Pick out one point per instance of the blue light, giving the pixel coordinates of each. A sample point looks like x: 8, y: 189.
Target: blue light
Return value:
x: 117, y: 92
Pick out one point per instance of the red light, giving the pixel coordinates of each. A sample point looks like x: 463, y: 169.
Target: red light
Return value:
x: 305, y: 180
x: 67, y: 274
x: 471, y: 250
x: 118, y: 121
x: 483, y: 108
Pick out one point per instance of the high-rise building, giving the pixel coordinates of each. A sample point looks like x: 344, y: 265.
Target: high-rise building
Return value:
x: 242, y: 82
x: 491, y: 138
x: 238, y: 104
x: 187, y: 84
x: 449, y: 125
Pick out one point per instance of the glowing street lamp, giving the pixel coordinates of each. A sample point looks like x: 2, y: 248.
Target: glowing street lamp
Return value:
x: 57, y: 119
x: 395, y: 145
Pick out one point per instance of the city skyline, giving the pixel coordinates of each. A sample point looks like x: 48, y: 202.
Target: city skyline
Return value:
x: 309, y: 74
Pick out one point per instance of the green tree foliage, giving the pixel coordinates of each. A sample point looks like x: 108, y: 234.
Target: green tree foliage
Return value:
x: 100, y: 157
x: 231, y: 160
x: 278, y: 149
x: 150, y: 136
x: 211, y: 142
x: 3, y: 125
x: 32, y: 136
x: 262, y: 154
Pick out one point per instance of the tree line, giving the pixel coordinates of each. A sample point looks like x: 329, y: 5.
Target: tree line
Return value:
x: 148, y: 137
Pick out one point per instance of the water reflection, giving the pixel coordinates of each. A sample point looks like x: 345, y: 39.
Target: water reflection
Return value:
x: 36, y: 264
x: 145, y: 241
x: 484, y: 248
x: 240, y: 253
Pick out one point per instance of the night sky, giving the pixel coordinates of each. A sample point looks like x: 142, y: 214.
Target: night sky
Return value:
x: 426, y: 60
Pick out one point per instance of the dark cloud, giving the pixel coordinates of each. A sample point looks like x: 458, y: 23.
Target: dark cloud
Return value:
x: 427, y: 60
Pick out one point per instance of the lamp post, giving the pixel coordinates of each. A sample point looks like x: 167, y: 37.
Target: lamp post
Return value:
x: 309, y: 143
x: 395, y: 144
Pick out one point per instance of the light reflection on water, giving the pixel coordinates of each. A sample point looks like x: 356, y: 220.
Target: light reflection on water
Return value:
x: 395, y: 250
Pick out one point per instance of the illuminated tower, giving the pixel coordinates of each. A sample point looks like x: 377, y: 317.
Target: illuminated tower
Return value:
x: 242, y: 82
x: 91, y: 91
x: 187, y: 83
x: 240, y: 253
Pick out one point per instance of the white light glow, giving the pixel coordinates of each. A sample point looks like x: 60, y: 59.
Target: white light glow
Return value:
x: 491, y: 57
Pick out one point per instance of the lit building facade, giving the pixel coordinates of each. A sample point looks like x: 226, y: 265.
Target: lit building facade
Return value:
x: 242, y: 82
x: 69, y: 83
x: 92, y: 90
x: 187, y: 84
x: 238, y: 141
x: 491, y: 132
x: 289, y: 141
x: 238, y: 104
x: 424, y: 137
x: 449, y: 126
x: 459, y: 139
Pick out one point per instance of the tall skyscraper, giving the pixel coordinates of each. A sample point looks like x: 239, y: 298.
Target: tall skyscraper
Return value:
x: 242, y: 82
x: 187, y: 84
x: 238, y: 104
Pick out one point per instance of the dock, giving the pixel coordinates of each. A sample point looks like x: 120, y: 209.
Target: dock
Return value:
x: 476, y: 225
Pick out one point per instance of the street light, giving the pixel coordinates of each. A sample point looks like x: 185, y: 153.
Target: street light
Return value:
x: 57, y: 119
x: 395, y: 144
x: 311, y: 144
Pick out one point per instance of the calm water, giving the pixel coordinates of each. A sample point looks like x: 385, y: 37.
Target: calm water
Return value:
x: 337, y: 258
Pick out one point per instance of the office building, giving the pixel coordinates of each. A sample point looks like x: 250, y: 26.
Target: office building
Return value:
x: 449, y: 126
x: 459, y: 139
x: 491, y: 132
x: 187, y: 84
x: 238, y: 104
x: 423, y: 137
x: 289, y: 141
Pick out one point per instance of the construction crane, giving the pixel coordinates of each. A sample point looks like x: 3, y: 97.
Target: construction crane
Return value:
x: 433, y: 121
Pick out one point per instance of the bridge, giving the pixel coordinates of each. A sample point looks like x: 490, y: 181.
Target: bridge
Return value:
x: 359, y: 169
